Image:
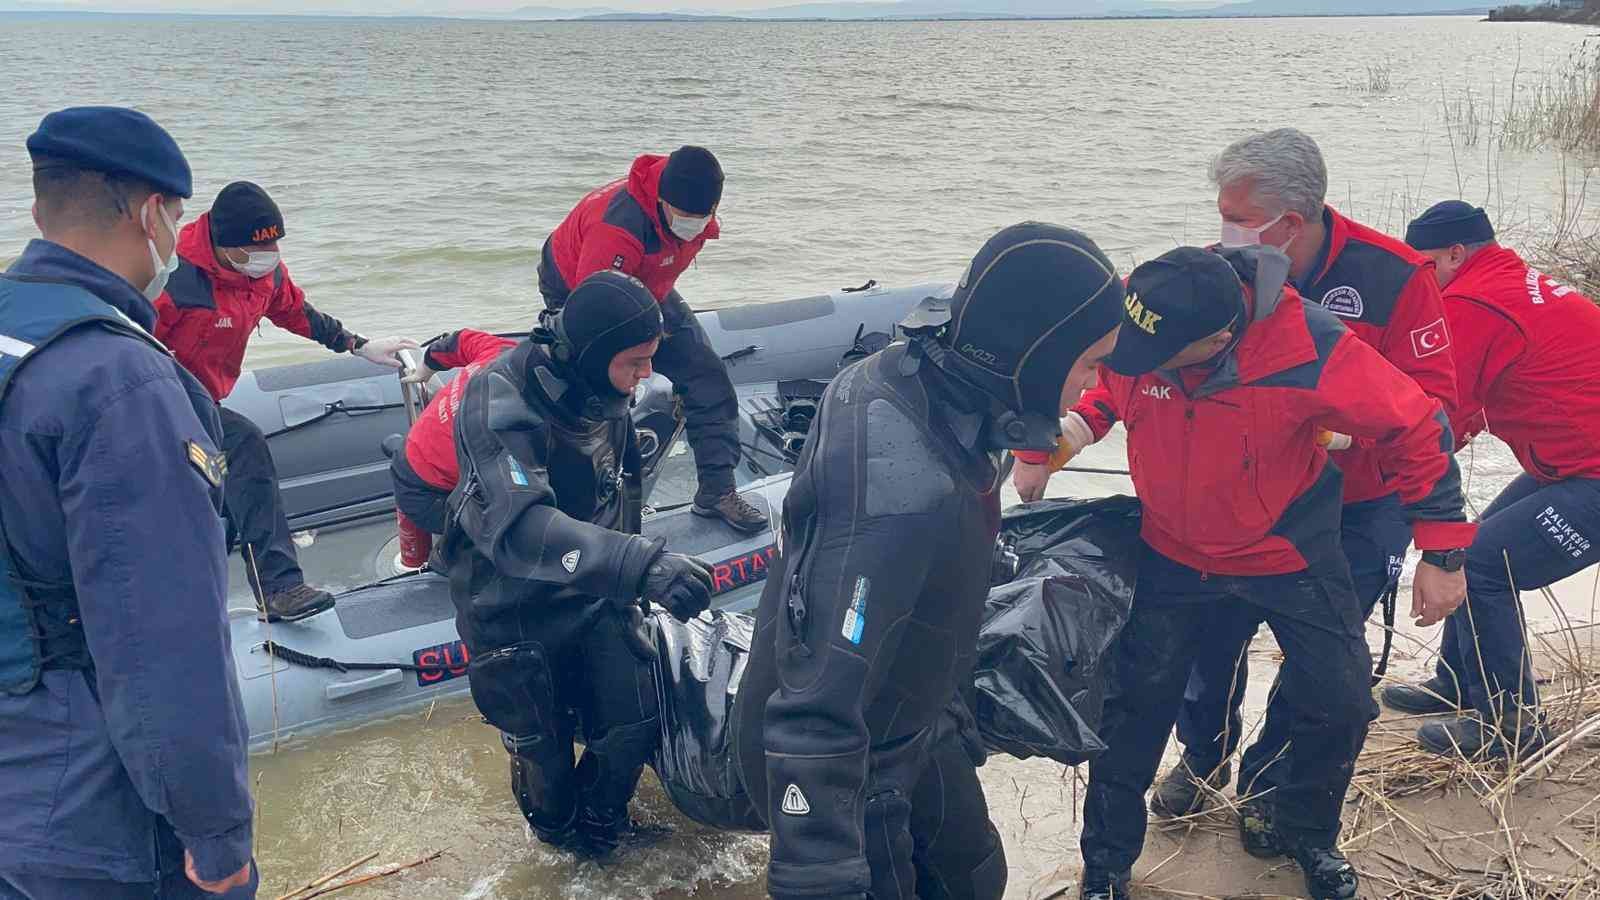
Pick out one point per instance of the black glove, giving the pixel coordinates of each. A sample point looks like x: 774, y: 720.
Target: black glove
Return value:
x: 680, y: 583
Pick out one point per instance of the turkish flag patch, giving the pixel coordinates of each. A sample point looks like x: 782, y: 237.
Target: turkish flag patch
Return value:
x: 1430, y: 338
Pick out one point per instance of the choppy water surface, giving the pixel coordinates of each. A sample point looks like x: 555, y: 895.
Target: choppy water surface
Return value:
x: 421, y: 164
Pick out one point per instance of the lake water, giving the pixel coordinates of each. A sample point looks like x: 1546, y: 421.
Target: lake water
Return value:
x: 421, y: 164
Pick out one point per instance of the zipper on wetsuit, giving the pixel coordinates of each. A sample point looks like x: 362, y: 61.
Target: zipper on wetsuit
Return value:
x: 795, y: 603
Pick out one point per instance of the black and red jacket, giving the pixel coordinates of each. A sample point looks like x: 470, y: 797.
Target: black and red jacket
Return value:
x: 1527, y: 353
x: 209, y: 310
x: 1386, y: 294
x: 620, y: 227
x: 1226, y: 459
x: 430, y: 445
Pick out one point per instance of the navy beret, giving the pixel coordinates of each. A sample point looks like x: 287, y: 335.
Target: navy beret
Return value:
x: 1449, y: 223
x: 116, y: 141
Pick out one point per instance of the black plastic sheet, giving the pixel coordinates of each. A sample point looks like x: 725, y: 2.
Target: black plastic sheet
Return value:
x: 1039, y: 683
x: 1040, y: 680
x: 698, y: 670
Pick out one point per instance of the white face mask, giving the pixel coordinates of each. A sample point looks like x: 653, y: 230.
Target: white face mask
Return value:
x: 687, y: 228
x: 164, y: 270
x: 1236, y: 235
x: 259, y: 264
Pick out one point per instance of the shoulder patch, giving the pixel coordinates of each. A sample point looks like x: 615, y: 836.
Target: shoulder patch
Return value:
x: 905, y: 474
x: 1431, y: 338
x: 1364, y: 283
x: 213, y: 467
x: 1344, y: 301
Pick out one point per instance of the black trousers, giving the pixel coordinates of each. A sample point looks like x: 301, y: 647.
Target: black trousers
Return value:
x: 542, y: 674
x: 1374, y: 535
x: 1324, y: 695
x: 253, y: 507
x: 174, y: 887
x: 700, y: 379
x: 422, y: 503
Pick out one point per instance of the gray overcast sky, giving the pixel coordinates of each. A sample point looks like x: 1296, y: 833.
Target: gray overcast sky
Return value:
x: 415, y: 7
x: 391, y: 7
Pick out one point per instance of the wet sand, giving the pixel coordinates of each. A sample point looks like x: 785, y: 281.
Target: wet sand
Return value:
x: 437, y: 781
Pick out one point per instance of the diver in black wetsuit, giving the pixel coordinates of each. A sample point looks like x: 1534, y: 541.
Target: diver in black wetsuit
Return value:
x: 547, y: 567
x: 869, y: 620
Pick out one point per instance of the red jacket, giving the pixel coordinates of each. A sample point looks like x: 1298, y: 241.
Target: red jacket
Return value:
x: 1226, y: 460
x: 1387, y: 295
x: 431, y: 445
x: 209, y: 310
x: 1527, y: 353
x: 619, y: 227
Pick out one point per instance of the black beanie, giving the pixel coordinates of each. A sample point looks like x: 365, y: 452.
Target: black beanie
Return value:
x: 692, y: 180
x: 606, y: 314
x: 1449, y: 223
x: 1035, y: 297
x: 243, y: 214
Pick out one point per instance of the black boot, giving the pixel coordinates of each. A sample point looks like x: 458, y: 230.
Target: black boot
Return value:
x: 1258, y: 831
x: 1428, y: 698
x: 1098, y: 885
x: 603, y: 830
x: 733, y: 509
x: 291, y: 604
x: 1469, y: 738
x: 1183, y: 791
x: 1329, y: 876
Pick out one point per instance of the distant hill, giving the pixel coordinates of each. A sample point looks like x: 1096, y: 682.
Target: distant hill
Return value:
x: 1347, y: 8
x: 906, y: 9
x: 658, y: 17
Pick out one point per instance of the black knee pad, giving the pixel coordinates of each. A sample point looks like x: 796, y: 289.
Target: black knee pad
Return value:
x: 515, y: 692
x: 611, y: 765
x: 543, y: 783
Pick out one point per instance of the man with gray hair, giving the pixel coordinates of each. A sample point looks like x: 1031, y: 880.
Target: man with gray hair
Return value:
x: 1271, y: 190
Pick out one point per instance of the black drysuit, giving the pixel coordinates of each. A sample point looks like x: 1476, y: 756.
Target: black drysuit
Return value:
x: 542, y: 539
x: 867, y: 627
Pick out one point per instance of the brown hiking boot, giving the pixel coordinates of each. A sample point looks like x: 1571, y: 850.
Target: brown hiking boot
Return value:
x: 291, y: 604
x: 733, y: 509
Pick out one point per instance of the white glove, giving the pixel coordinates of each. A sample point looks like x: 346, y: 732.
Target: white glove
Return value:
x: 419, y: 375
x: 385, y: 351
x: 1333, y: 440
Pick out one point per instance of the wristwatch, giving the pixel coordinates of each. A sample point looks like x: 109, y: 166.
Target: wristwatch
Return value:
x: 1448, y: 560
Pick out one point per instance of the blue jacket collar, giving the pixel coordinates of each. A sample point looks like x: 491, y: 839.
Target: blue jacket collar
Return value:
x: 46, y: 259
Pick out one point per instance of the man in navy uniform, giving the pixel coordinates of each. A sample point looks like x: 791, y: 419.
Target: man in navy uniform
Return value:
x: 122, y: 761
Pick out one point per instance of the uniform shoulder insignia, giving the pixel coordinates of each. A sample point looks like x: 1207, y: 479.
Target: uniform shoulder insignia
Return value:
x: 211, y: 466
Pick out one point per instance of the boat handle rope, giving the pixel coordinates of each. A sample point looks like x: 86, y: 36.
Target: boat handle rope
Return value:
x: 322, y: 662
